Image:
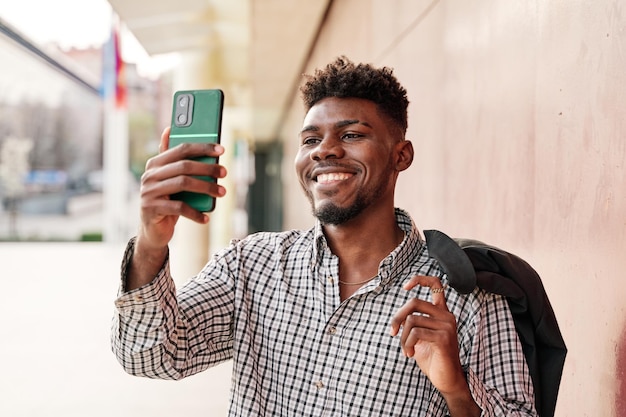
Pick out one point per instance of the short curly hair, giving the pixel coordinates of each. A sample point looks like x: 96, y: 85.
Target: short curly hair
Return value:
x: 344, y: 79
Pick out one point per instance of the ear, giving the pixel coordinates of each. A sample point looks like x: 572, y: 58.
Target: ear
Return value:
x: 404, y: 155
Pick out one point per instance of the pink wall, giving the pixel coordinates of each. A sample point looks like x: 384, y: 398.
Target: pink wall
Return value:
x: 518, y: 118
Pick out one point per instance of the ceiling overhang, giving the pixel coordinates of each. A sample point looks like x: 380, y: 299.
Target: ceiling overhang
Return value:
x: 263, y: 43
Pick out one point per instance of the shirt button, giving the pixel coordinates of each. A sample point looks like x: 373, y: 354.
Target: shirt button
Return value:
x: 319, y: 384
x: 332, y: 330
x: 331, y: 280
x: 138, y: 298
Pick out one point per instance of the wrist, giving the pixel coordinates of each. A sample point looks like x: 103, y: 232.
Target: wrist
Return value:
x: 459, y: 399
x: 145, y: 263
x: 145, y: 247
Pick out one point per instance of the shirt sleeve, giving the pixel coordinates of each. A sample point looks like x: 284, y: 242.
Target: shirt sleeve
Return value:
x: 497, y: 374
x: 158, y: 333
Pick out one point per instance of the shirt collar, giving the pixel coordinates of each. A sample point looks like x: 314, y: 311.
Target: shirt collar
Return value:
x: 392, y: 266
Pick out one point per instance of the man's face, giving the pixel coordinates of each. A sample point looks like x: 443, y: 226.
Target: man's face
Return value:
x: 346, y: 161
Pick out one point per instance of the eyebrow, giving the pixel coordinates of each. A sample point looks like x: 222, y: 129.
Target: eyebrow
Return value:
x: 340, y: 124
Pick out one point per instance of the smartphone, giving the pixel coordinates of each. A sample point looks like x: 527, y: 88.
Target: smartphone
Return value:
x: 197, y: 118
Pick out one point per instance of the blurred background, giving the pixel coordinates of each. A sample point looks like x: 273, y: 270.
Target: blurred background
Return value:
x: 517, y: 116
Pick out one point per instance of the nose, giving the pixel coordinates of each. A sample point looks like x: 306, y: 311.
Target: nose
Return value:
x: 327, y: 148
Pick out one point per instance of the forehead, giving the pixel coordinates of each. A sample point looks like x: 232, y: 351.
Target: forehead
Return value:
x: 332, y: 110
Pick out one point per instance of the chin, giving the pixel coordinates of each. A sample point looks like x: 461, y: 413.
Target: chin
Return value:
x: 335, y: 215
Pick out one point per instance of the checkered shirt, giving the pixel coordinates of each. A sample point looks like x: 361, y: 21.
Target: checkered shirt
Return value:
x: 270, y: 302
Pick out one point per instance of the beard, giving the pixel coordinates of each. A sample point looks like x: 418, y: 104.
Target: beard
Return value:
x: 335, y: 215
x: 332, y: 214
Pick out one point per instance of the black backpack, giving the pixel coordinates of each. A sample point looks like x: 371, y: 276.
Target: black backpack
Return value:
x: 470, y: 264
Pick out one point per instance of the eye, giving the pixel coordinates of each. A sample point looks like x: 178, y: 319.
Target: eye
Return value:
x: 310, y: 140
x: 351, y: 136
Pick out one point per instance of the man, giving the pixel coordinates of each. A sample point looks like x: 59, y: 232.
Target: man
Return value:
x: 350, y: 318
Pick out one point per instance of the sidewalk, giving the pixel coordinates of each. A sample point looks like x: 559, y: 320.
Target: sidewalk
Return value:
x: 56, y: 306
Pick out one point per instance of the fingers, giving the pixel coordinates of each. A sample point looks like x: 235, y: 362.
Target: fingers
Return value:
x: 434, y: 283
x: 155, y: 210
x: 165, y: 139
x: 422, y: 320
x: 429, y: 333
x: 420, y: 306
x: 161, y: 181
x: 439, y: 331
x: 156, y: 186
x: 414, y: 307
x: 176, y: 170
x: 181, y: 168
x: 183, y: 151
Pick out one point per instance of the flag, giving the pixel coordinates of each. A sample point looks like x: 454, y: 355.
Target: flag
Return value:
x: 113, y: 70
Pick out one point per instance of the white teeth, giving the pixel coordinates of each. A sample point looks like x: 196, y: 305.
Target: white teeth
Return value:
x: 338, y: 176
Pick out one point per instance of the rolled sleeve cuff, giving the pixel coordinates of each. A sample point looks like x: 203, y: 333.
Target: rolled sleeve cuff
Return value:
x: 147, y: 295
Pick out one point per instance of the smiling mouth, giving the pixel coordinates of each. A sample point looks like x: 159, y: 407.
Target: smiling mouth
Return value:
x: 333, y: 177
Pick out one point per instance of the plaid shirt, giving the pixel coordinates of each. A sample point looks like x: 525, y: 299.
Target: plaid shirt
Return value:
x: 271, y: 303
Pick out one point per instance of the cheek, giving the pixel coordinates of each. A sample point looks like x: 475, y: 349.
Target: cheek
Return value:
x: 300, y: 162
x: 300, y: 167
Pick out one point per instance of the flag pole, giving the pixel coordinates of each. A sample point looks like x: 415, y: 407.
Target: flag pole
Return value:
x: 115, y: 135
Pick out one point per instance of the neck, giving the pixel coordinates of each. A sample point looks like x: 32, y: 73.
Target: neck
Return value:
x: 365, y: 235
x: 360, y: 247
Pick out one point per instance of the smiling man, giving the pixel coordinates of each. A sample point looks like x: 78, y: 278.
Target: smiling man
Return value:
x: 349, y: 318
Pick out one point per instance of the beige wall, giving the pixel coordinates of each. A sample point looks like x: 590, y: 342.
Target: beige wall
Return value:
x: 518, y: 117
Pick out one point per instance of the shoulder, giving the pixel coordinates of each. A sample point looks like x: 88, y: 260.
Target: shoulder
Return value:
x: 268, y: 243
x: 477, y: 306
x: 289, y: 237
x: 258, y: 253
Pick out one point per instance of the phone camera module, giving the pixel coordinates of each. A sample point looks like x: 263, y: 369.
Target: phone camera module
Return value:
x: 183, y: 110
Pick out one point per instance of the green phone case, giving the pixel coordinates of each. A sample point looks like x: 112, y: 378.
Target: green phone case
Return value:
x: 197, y: 118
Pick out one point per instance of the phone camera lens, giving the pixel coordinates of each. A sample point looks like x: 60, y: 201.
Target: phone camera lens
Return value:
x: 183, y: 101
x: 182, y: 118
